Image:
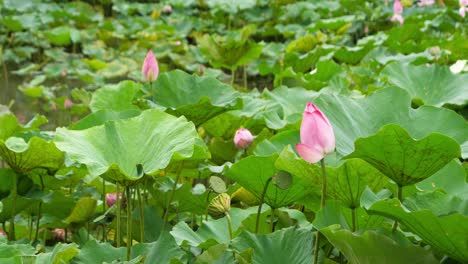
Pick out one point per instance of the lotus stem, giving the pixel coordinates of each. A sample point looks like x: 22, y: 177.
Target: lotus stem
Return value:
x: 103, y: 209
x: 322, y: 205
x: 171, y: 196
x: 272, y: 220
x: 229, y: 222
x: 14, y: 193
x: 245, y: 76
x: 233, y: 76
x: 400, y: 198
x: 142, y: 215
x: 353, y: 217
x: 39, y: 211
x: 129, y: 223
x: 262, y: 198
x: 119, y: 206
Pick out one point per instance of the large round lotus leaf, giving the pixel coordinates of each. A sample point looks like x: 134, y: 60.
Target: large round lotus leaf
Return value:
x: 403, y: 159
x: 82, y: 211
x: 118, y: 97
x: 197, y: 98
x: 446, y: 233
x: 118, y: 148
x: 24, y: 156
x: 371, y: 247
x: 288, y: 245
x: 433, y: 85
x: 102, y: 116
x: 61, y: 253
x: 355, y: 118
x: 253, y: 172
x: 347, y: 182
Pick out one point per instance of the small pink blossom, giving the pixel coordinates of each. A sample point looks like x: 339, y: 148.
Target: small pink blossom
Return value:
x: 317, y: 136
x: 243, y: 138
x: 426, y: 2
x: 167, y: 9
x: 59, y: 234
x: 63, y: 73
x: 53, y: 106
x: 397, y: 12
x: 111, y: 199
x: 67, y: 104
x: 3, y: 233
x: 463, y: 7
x: 178, y: 43
x: 150, y: 69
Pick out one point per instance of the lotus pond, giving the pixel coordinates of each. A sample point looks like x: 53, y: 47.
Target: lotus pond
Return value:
x: 218, y: 131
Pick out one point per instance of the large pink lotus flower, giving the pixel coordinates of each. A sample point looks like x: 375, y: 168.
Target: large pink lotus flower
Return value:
x: 397, y: 11
x: 463, y: 7
x: 150, y: 69
x: 317, y: 136
x: 426, y: 2
x: 243, y: 138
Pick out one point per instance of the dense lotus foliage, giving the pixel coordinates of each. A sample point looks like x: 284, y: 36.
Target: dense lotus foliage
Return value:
x: 219, y: 131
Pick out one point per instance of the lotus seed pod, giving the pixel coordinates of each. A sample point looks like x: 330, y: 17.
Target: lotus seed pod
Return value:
x: 219, y: 206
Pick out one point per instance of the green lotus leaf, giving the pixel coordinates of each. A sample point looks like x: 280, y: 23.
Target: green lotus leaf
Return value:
x: 433, y: 85
x: 336, y: 213
x: 253, y: 173
x: 15, y: 251
x: 62, y: 253
x: 9, y: 125
x: 451, y: 179
x: 24, y: 156
x: 59, y: 36
x: 197, y: 98
x: 445, y: 233
x: 277, y: 142
x: 347, y: 182
x: 210, y: 232
x: 164, y: 250
x: 118, y: 97
x: 361, y: 117
x: 102, y: 116
x: 288, y: 245
x: 403, y: 159
x: 82, y: 211
x: 95, y: 252
x: 115, y: 149
x: 373, y: 247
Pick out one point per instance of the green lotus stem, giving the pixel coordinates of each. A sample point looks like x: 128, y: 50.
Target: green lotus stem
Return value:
x: 233, y: 76
x: 14, y: 193
x: 39, y: 211
x: 272, y: 220
x: 30, y: 227
x: 353, y: 217
x: 262, y: 198
x: 142, y: 215
x: 171, y: 196
x: 322, y: 205
x: 129, y: 223
x: 119, y: 206
x: 103, y: 209
x: 229, y: 222
x: 245, y: 76
x: 400, y: 198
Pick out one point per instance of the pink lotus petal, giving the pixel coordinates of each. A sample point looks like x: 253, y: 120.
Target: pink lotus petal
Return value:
x: 243, y: 138
x: 309, y: 154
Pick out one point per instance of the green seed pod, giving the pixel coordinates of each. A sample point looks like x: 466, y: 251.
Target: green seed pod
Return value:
x: 219, y: 206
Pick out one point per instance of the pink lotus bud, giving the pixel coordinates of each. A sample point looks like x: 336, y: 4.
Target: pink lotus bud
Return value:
x: 67, y: 104
x: 59, y: 234
x: 111, y: 199
x: 167, y: 9
x: 150, y: 69
x: 63, y: 73
x: 201, y: 69
x: 3, y: 232
x: 398, y: 18
x: 178, y: 43
x: 53, y: 107
x: 243, y: 138
x: 317, y: 136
